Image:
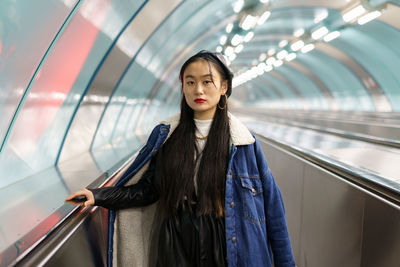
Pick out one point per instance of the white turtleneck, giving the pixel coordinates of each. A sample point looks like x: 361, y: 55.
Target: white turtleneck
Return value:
x: 202, y: 130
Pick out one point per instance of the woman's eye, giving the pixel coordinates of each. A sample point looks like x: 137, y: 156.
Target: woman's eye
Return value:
x: 207, y: 82
x: 190, y: 83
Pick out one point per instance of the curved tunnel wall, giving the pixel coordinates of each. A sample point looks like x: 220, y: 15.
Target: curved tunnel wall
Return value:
x: 79, y: 76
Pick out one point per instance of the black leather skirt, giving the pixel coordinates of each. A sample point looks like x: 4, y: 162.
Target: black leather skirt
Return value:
x: 190, y: 240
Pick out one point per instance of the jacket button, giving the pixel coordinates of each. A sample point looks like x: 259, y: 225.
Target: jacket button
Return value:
x: 253, y: 191
x: 234, y: 239
x: 230, y: 172
x: 232, y: 204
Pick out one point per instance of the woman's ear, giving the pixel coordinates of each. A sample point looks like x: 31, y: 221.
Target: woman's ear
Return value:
x: 224, y: 87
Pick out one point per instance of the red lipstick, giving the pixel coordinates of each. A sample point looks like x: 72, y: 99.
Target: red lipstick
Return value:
x: 199, y: 100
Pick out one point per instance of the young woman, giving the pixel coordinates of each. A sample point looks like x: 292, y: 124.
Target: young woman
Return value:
x: 216, y: 202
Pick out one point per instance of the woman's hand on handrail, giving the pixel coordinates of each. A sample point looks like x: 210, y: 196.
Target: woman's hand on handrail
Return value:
x: 78, y: 198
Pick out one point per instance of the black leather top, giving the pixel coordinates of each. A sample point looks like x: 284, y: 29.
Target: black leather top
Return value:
x: 184, y: 240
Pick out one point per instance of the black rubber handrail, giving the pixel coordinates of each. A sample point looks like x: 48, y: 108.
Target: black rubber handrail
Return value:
x: 36, y: 247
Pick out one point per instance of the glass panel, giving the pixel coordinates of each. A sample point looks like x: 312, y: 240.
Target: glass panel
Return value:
x: 310, y: 92
x: 273, y: 100
x: 56, y: 91
x: 28, y: 159
x: 346, y: 88
x: 286, y: 92
x: 34, y: 143
x: 375, y: 47
x: 375, y: 3
x: 25, y: 35
x: 260, y: 91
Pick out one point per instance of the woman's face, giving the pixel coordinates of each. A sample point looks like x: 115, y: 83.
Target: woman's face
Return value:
x: 200, y: 92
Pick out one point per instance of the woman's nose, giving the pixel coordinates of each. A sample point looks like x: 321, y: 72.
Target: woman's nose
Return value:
x: 199, y: 89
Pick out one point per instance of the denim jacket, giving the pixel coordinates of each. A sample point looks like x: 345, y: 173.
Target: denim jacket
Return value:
x: 255, y: 224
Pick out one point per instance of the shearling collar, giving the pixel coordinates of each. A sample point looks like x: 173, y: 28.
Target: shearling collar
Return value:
x: 240, y: 135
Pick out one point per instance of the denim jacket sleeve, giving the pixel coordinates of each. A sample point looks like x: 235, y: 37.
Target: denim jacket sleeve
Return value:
x: 277, y: 232
x: 144, y: 192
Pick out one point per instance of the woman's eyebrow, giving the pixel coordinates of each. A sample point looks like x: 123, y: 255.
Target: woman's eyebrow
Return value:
x: 191, y: 76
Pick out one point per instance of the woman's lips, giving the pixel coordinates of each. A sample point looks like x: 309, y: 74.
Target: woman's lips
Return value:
x: 199, y: 100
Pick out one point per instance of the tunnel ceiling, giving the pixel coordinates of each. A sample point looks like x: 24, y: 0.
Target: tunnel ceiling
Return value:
x: 275, y: 44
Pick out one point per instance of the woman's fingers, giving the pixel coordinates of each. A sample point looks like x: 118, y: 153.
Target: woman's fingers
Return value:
x: 75, y: 194
x: 83, y: 193
x: 89, y: 197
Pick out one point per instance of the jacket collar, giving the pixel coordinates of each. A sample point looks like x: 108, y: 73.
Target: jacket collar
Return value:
x: 240, y: 135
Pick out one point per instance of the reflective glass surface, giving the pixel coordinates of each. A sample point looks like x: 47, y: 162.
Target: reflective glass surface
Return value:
x: 25, y: 36
x: 28, y: 158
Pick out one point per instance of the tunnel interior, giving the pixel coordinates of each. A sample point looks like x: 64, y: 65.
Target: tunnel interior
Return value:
x: 82, y: 83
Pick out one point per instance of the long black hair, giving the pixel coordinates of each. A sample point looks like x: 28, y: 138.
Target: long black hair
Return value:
x: 179, y: 152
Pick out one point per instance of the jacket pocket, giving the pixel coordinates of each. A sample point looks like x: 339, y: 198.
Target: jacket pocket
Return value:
x: 253, y: 200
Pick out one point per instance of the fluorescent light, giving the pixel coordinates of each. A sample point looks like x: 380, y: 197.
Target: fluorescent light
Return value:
x: 229, y: 51
x: 268, y: 68
x: 248, y: 36
x: 262, y: 57
x: 319, y: 33
x: 249, y: 22
x: 323, y: 14
x: 238, y: 6
x: 299, y: 32
x: 237, y: 39
x: 248, y: 74
x: 333, y: 35
x: 270, y: 61
x: 271, y: 52
x: 354, y: 13
x: 263, y: 17
x: 219, y: 49
x: 282, y: 54
x: 278, y: 63
x: 297, y: 45
x: 260, y: 68
x: 244, y: 76
x: 229, y: 28
x: 237, y: 81
x: 262, y: 65
x: 228, y: 62
x: 308, y: 48
x: 283, y: 43
x: 223, y: 39
x: 264, y: 1
x: 239, y: 48
x: 232, y: 57
x: 291, y: 56
x: 253, y: 72
x: 368, y: 17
